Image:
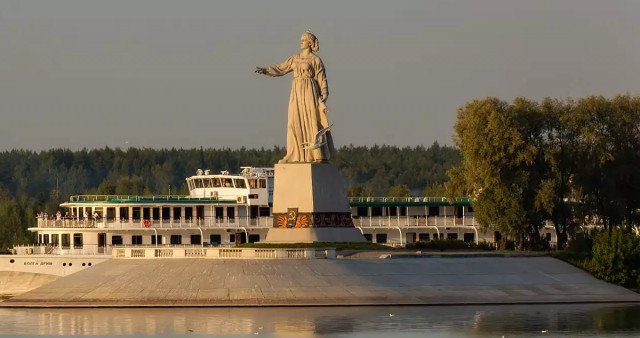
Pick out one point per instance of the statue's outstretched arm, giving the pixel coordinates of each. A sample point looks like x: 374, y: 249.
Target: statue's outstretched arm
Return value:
x: 277, y: 70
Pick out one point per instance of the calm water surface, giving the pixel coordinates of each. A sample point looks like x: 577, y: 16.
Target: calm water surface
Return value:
x: 595, y: 320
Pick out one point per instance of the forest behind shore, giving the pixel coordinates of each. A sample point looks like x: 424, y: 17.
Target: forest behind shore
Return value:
x: 32, y: 181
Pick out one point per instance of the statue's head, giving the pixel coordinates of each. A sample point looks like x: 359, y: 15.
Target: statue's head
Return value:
x: 310, y: 40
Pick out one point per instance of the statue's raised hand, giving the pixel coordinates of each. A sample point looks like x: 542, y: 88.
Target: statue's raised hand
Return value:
x: 260, y: 70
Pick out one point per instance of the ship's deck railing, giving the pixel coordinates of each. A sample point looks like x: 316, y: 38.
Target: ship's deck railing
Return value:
x: 404, y: 200
x: 249, y: 222
x: 159, y: 198
x: 413, y: 221
x: 182, y: 222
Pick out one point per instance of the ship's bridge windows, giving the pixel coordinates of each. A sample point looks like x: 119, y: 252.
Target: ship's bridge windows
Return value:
x: 190, y: 184
x: 206, y: 182
x: 116, y: 240
x: 263, y: 183
x: 253, y: 183
x: 66, y: 241
x: 199, y: 183
x: 77, y: 241
x: 228, y: 183
x: 240, y: 183
x: 216, y: 182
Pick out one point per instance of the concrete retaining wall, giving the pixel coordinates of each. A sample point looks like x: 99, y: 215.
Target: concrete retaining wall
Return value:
x: 13, y: 283
x: 402, y: 281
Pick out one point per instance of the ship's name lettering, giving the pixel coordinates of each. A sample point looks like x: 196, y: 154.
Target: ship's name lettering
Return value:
x: 38, y: 263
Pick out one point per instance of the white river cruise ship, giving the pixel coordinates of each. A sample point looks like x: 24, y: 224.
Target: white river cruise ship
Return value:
x: 229, y: 209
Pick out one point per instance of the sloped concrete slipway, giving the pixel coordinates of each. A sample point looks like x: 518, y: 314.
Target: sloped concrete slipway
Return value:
x: 401, y: 281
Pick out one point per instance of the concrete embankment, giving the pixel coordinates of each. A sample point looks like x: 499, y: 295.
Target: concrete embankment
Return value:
x: 402, y: 281
x: 14, y: 283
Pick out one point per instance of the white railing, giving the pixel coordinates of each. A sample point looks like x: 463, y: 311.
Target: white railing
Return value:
x: 143, y: 252
x: 413, y: 221
x: 403, y: 199
x: 103, y: 198
x: 204, y: 222
x: 251, y: 223
x: 66, y: 223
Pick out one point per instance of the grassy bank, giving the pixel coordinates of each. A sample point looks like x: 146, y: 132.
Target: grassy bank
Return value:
x: 613, y: 257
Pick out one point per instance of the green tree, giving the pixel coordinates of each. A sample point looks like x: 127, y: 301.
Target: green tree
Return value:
x: 399, y: 191
x: 130, y: 185
x: 356, y: 190
x: 501, y: 165
x: 435, y: 190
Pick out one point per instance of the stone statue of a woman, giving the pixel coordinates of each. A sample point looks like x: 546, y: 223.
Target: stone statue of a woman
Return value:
x: 308, y: 131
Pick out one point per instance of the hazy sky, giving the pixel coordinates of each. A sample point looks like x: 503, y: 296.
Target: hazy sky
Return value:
x: 157, y: 73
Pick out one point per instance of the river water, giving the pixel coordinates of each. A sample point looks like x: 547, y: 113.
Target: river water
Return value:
x: 584, y: 320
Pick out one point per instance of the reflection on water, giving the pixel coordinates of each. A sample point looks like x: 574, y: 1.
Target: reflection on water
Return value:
x: 592, y: 320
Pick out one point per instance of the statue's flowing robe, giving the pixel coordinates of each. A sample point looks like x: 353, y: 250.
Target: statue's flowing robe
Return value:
x: 308, y: 92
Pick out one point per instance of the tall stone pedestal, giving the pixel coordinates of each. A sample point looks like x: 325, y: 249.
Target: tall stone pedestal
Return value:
x: 310, y: 205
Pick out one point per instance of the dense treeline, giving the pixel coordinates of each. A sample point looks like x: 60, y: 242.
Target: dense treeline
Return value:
x: 571, y: 162
x: 33, y: 181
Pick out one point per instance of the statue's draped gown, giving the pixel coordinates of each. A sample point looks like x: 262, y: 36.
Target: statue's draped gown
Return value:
x: 308, y: 91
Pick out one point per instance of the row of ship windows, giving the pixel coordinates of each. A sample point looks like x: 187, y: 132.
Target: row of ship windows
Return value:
x: 63, y: 239
x: 382, y: 238
x: 402, y: 211
x: 214, y: 239
x: 164, y: 213
x: 220, y: 182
